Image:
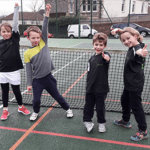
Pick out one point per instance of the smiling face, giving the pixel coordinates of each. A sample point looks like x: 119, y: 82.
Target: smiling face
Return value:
x: 99, y: 46
x: 6, y: 32
x: 34, y: 37
x: 129, y: 40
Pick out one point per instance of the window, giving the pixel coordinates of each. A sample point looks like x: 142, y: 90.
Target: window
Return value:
x: 85, y: 27
x: 133, y: 6
x: 84, y: 5
x: 24, y: 22
x: 89, y: 5
x: 32, y: 22
x: 142, y: 9
x: 123, y: 5
x: 71, y: 6
x: 94, y: 5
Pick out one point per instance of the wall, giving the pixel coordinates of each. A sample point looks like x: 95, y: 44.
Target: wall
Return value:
x: 114, y: 8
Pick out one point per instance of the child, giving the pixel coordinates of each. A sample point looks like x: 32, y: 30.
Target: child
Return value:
x: 10, y: 64
x: 133, y: 82
x: 39, y: 66
x: 97, y: 83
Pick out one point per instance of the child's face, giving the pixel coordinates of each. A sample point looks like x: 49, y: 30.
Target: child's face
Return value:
x: 6, y: 33
x: 99, y: 47
x: 35, y: 38
x: 129, y: 40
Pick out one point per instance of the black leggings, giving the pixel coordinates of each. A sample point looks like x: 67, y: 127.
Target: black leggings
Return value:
x: 5, y: 93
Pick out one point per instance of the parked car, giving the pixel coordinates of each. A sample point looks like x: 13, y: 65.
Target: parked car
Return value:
x: 50, y: 35
x: 142, y: 30
x: 85, y: 31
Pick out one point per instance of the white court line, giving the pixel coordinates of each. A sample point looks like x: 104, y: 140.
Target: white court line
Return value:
x: 1, y: 106
x: 68, y: 64
x: 76, y: 44
x: 52, y: 74
x: 14, y: 97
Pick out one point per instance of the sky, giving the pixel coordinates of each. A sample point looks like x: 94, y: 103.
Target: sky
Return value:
x: 7, y: 6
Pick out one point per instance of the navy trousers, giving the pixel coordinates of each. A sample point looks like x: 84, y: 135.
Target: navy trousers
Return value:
x: 48, y: 83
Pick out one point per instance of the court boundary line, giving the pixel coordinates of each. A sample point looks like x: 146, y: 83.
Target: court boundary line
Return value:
x: 78, y: 137
x: 76, y: 44
x: 1, y: 106
x: 39, y: 120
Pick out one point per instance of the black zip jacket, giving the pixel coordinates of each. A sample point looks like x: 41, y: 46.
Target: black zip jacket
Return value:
x: 10, y: 59
x: 97, y: 76
x: 134, y: 69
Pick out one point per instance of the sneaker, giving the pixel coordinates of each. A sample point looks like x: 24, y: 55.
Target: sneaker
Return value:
x: 89, y: 126
x: 122, y: 123
x: 24, y: 110
x: 140, y: 135
x: 69, y: 113
x: 5, y: 115
x: 101, y: 127
x: 34, y: 116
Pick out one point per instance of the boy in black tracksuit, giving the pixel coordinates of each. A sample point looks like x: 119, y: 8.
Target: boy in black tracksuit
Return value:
x: 97, y: 84
x: 133, y: 83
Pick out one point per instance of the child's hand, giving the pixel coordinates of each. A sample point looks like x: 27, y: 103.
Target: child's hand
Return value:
x: 16, y: 4
x: 143, y: 52
x: 48, y: 7
x: 29, y: 88
x: 106, y: 57
x: 115, y: 31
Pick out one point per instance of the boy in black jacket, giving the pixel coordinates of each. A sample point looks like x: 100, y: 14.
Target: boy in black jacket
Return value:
x: 133, y: 82
x: 97, y: 83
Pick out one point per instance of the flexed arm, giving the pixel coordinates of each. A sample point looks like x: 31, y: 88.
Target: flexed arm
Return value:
x: 15, y: 18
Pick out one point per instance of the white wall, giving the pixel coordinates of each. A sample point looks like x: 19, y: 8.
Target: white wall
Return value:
x: 114, y: 7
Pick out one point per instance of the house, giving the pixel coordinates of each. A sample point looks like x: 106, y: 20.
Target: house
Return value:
x: 29, y: 18
x: 100, y: 8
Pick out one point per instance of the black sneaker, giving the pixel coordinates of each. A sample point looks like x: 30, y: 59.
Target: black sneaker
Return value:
x: 122, y: 123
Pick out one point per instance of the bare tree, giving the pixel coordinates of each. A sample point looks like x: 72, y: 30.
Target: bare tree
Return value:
x: 35, y: 6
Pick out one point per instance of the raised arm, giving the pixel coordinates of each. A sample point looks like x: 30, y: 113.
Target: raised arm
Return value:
x: 45, y: 23
x: 15, y: 18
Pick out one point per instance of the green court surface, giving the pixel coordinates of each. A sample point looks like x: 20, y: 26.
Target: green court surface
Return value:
x: 83, y: 43
x: 55, y: 131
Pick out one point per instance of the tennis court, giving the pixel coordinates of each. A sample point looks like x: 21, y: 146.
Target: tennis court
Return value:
x: 53, y: 130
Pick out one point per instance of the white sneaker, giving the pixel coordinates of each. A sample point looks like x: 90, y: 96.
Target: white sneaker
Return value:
x: 33, y: 116
x: 102, y: 127
x: 89, y: 126
x: 69, y: 113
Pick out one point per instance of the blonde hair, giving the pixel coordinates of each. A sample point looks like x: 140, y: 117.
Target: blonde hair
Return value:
x: 34, y: 29
x: 102, y: 37
x: 133, y: 32
x: 6, y: 25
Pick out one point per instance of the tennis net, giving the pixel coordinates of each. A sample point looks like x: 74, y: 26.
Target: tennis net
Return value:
x: 70, y: 73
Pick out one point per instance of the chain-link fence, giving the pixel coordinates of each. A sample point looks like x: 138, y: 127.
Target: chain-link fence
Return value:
x: 98, y: 14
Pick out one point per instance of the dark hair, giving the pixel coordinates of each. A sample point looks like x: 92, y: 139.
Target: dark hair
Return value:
x: 6, y: 25
x: 34, y: 29
x: 102, y: 37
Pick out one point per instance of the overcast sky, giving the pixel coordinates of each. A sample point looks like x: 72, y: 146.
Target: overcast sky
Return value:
x: 7, y: 6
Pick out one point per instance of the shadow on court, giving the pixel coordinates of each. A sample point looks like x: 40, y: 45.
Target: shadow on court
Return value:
x: 56, y: 132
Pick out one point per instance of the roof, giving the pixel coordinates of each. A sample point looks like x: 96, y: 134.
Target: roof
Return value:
x: 26, y: 16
